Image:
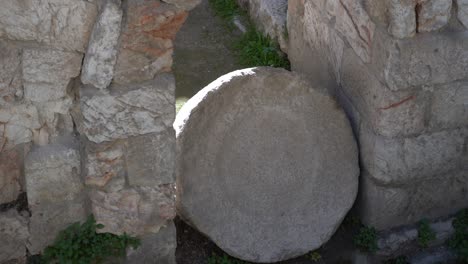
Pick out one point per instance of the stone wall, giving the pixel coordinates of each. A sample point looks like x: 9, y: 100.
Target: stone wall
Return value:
x: 86, y: 113
x: 400, y: 70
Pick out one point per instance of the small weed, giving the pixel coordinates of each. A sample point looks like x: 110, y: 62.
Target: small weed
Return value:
x: 256, y: 49
x: 425, y: 234
x: 459, y: 241
x: 226, y: 9
x: 366, y: 239
x: 398, y: 260
x: 314, y: 256
x: 81, y: 244
x: 225, y: 259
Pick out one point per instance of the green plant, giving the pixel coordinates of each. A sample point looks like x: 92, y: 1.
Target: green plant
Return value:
x: 256, y: 49
x: 81, y: 244
x: 226, y: 9
x: 398, y: 260
x: 366, y: 239
x: 459, y: 241
x: 314, y: 256
x: 425, y: 233
x: 225, y: 259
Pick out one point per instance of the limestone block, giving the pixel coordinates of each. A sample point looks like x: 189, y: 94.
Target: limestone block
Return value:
x: 396, y: 160
x: 390, y: 113
x: 10, y: 74
x: 18, y: 125
x: 105, y: 165
x: 405, y: 204
x: 433, y: 14
x: 450, y: 106
x: 10, y: 174
x: 127, y: 111
x: 47, y: 73
x: 47, y: 220
x: 156, y: 248
x: 62, y: 23
x: 402, y: 16
x: 101, y: 56
x: 150, y: 159
x: 147, y: 40
x: 247, y: 176
x: 136, y: 211
x: 13, y: 235
x: 52, y: 174
x: 270, y: 17
x: 462, y: 7
x: 55, y: 119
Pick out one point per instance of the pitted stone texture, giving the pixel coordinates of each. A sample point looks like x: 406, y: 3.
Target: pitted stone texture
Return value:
x: 156, y: 248
x: 52, y: 174
x: 450, y: 106
x: 270, y: 17
x: 248, y: 175
x: 402, y: 16
x: 47, y: 220
x: 147, y: 40
x: 150, y: 159
x: 433, y: 14
x: 10, y: 74
x: 136, y: 211
x: 18, y: 125
x: 127, y: 111
x: 105, y: 165
x: 402, y: 160
x: 13, y: 235
x: 10, y: 175
x: 410, y: 203
x: 47, y: 73
x: 462, y: 7
x: 62, y: 23
x: 101, y: 56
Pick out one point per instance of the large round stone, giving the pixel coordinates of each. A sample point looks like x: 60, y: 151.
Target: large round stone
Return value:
x: 267, y: 165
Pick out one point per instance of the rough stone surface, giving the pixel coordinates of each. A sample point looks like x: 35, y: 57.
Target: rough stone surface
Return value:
x: 450, y: 106
x: 135, y: 211
x: 410, y: 203
x: 183, y: 4
x: 10, y: 175
x: 147, y: 40
x: 61, y: 23
x: 462, y: 7
x: 150, y: 159
x: 47, y: 73
x: 433, y: 14
x: 101, y: 56
x: 13, y: 235
x: 156, y: 248
x: 127, y: 111
x: 10, y: 74
x: 402, y: 18
x: 52, y: 174
x: 260, y: 192
x: 18, y: 125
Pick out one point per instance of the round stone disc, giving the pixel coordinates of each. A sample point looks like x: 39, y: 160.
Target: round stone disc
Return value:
x: 267, y: 165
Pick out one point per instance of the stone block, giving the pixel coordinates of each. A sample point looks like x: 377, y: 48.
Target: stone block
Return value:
x: 52, y: 174
x: 18, y: 125
x: 450, y: 105
x: 127, y: 111
x: 61, y: 23
x: 462, y: 11
x: 402, y: 16
x: 47, y: 220
x: 13, y: 236
x: 150, y: 159
x: 147, y: 40
x: 136, y: 211
x: 400, y: 160
x: 10, y: 174
x: 157, y: 247
x: 10, y: 74
x: 101, y: 56
x: 433, y: 14
x: 385, y: 207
